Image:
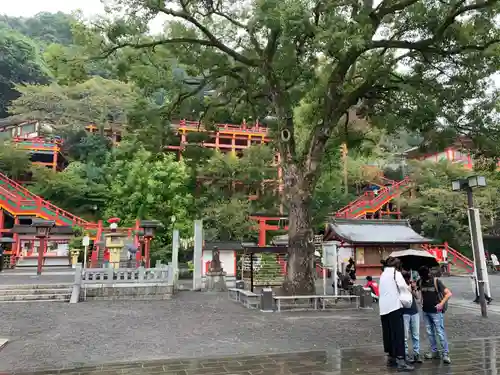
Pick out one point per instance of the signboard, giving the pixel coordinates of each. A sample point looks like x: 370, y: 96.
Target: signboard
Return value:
x: 86, y: 241
x: 329, y: 254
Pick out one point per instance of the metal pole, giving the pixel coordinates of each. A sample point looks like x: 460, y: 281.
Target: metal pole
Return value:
x: 477, y: 256
x: 85, y: 253
x: 198, y: 254
x: 324, y: 278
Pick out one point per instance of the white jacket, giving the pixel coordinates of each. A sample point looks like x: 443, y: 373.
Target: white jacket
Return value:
x: 390, y: 297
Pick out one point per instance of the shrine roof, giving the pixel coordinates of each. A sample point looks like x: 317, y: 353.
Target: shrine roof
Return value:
x: 377, y: 232
x: 28, y: 229
x: 223, y: 245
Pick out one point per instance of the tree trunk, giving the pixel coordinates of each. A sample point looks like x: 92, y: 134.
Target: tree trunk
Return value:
x: 300, y: 279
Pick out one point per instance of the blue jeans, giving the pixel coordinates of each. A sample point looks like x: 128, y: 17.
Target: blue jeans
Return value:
x: 412, y: 327
x: 434, y: 323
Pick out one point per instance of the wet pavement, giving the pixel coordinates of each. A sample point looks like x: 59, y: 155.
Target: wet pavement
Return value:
x: 477, y: 356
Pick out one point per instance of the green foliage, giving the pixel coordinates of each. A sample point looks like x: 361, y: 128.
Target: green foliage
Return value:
x: 44, y: 27
x: 440, y: 213
x: 21, y: 63
x: 70, y: 189
x: 142, y: 185
x: 66, y: 64
x: 13, y: 161
x: 98, y: 100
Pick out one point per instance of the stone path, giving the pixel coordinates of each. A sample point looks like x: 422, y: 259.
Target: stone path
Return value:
x: 192, y: 325
x: 473, y: 357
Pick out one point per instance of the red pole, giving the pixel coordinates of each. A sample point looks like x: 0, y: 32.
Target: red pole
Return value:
x: 146, y: 251
x: 41, y: 251
x: 262, y: 232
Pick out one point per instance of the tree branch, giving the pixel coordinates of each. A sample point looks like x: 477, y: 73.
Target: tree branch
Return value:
x: 215, y: 42
x: 152, y: 45
x: 425, y: 45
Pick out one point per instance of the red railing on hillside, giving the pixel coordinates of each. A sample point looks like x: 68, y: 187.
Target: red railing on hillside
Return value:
x: 452, y: 256
x: 369, y: 201
x: 254, y: 128
x: 41, y: 203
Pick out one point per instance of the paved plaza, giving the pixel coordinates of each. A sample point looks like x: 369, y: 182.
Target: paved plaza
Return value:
x: 478, y: 356
x: 44, y: 336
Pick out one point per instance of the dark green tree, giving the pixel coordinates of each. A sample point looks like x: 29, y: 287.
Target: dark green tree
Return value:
x: 20, y: 63
x: 44, y: 27
x: 332, y: 57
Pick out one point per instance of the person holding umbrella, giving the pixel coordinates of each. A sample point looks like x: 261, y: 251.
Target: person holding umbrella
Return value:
x: 394, y: 296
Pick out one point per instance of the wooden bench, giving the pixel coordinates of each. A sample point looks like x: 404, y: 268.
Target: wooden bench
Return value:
x: 245, y: 297
x: 315, y: 300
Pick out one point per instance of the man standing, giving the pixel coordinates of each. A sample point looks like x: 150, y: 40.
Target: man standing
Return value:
x: 494, y: 261
x: 411, y: 319
x: 435, y: 296
x: 351, y: 269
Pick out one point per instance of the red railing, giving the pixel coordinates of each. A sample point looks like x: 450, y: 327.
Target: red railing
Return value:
x: 253, y: 128
x: 40, y: 203
x: 384, y: 195
x: 452, y: 256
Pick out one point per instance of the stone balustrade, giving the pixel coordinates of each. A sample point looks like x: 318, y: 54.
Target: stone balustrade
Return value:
x: 123, y: 283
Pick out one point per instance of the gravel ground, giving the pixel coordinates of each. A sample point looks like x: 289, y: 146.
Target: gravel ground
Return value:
x: 193, y: 324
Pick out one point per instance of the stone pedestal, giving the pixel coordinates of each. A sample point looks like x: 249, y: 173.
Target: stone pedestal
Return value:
x: 216, y: 281
x: 74, y: 257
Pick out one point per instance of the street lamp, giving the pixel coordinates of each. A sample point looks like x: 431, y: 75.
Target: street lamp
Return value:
x: 148, y: 227
x: 42, y: 228
x: 467, y: 185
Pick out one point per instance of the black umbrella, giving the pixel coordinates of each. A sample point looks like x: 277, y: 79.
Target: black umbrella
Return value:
x: 414, y: 259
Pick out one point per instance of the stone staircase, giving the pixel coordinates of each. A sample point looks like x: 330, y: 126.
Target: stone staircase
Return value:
x: 35, y: 293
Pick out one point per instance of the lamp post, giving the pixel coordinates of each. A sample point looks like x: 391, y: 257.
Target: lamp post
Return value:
x: 42, y: 228
x: 476, y: 235
x: 148, y: 227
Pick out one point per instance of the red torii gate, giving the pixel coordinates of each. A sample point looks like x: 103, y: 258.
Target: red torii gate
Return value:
x: 264, y: 225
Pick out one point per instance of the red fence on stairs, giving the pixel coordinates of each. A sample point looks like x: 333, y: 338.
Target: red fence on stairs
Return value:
x: 446, y: 253
x: 370, y: 202
x: 18, y: 200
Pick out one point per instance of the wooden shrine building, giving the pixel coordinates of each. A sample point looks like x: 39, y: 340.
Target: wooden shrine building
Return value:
x: 370, y: 241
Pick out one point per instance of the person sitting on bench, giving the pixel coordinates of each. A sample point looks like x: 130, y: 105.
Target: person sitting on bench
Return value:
x: 373, y: 287
x: 344, y: 283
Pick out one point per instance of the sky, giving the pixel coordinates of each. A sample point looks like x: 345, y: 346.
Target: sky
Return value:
x: 89, y: 8
x: 28, y: 8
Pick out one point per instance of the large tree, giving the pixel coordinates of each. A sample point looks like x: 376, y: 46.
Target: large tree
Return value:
x: 403, y: 62
x: 44, y: 27
x: 99, y: 101
x: 20, y: 63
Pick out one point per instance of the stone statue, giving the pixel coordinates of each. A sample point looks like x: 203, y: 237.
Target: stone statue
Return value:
x: 215, y: 265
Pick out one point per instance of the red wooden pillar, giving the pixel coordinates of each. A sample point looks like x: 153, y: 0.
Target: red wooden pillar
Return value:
x: 262, y: 232
x: 138, y: 255
x: 2, y: 221
x: 16, y: 245
x: 147, y: 241
x: 54, y: 160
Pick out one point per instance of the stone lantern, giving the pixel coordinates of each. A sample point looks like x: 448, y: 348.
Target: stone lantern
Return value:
x: 74, y: 257
x: 114, y: 243
x: 42, y: 228
x: 148, y: 227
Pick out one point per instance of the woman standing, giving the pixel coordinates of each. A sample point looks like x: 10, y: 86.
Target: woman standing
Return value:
x: 394, y: 296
